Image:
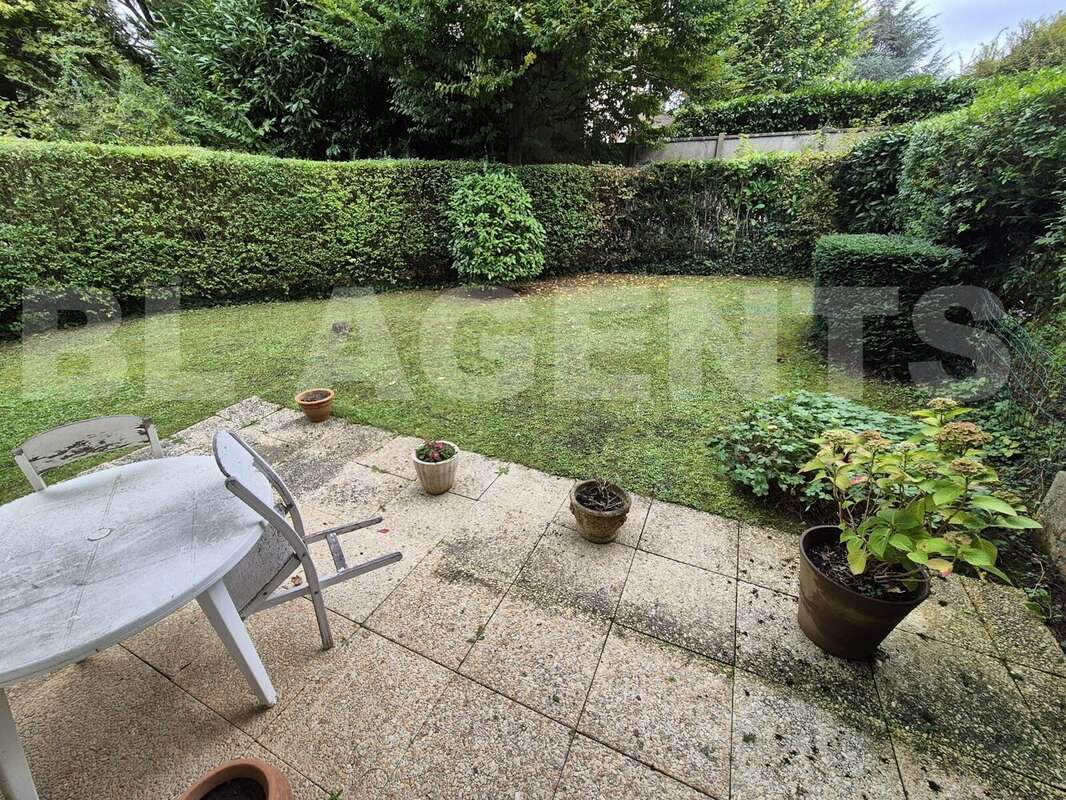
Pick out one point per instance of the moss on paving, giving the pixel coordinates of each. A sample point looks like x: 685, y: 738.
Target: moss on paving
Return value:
x: 623, y: 376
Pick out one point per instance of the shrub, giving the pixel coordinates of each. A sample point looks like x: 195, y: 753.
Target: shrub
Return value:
x: 766, y: 447
x: 914, y: 266
x: 867, y: 182
x: 836, y: 105
x: 991, y: 179
x: 496, y: 239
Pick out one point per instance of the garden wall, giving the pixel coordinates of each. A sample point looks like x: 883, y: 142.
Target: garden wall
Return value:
x: 229, y: 227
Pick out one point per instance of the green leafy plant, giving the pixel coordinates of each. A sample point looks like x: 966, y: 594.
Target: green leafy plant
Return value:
x: 766, y: 447
x: 435, y: 451
x: 867, y: 182
x: 496, y: 239
x: 922, y: 503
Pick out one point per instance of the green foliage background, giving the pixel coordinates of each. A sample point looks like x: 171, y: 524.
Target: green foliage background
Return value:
x: 839, y: 105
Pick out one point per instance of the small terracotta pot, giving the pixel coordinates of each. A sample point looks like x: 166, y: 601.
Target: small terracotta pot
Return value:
x: 599, y: 526
x: 437, y: 477
x: 317, y: 404
x: 275, y: 785
x: 839, y: 620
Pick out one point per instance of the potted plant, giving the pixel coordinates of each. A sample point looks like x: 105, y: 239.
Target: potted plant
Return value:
x: 600, y: 508
x: 436, y: 462
x: 242, y: 779
x: 903, y: 508
x: 317, y: 404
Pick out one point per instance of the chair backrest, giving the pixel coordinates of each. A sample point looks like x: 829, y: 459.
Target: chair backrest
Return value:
x: 282, y: 548
x: 77, y: 440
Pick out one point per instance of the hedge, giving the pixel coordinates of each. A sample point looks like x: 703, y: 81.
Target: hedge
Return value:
x: 233, y: 227
x: 991, y: 179
x: 867, y: 182
x: 913, y: 266
x: 834, y: 105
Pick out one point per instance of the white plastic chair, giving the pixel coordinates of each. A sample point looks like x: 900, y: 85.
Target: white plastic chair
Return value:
x: 254, y: 583
x: 78, y: 440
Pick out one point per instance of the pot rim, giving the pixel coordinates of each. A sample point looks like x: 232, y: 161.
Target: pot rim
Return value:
x: 921, y: 595
x: 603, y: 514
x: 330, y: 394
x: 417, y: 460
x: 268, y: 777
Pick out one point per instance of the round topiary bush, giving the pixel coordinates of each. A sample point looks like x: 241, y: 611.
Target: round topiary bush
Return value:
x: 495, y: 237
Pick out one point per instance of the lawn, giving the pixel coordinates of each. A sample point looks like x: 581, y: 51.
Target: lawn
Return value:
x: 616, y: 375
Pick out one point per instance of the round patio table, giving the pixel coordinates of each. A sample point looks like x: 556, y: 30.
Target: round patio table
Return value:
x: 88, y: 562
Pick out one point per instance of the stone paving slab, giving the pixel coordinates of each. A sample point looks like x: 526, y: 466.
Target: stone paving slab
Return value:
x: 507, y: 657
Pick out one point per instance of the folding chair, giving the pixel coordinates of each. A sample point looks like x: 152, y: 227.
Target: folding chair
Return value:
x: 77, y: 440
x: 254, y: 583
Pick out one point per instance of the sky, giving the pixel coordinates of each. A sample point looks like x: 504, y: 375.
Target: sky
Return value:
x: 964, y: 24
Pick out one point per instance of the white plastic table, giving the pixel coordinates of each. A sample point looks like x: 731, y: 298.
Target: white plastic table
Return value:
x: 88, y: 562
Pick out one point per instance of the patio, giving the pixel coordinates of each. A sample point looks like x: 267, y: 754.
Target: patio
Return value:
x: 505, y: 657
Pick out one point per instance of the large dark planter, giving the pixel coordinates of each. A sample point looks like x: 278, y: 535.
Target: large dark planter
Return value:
x: 839, y: 620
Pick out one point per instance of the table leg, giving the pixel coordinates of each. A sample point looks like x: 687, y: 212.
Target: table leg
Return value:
x: 222, y: 614
x: 16, y: 783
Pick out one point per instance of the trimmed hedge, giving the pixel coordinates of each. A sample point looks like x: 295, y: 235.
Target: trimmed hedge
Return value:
x: 914, y: 266
x: 991, y: 179
x: 867, y: 182
x: 834, y: 105
x: 232, y: 227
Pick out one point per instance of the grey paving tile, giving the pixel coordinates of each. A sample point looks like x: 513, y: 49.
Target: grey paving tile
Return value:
x: 480, y: 744
x: 771, y: 644
x: 949, y: 615
x: 665, y: 707
x: 114, y: 727
x: 251, y: 409
x: 933, y: 773
x: 306, y: 463
x: 567, y: 570
x: 964, y: 701
x: 595, y: 772
x: 684, y: 534
x: 1045, y: 695
x: 476, y: 474
x: 198, y: 438
x: 1018, y: 634
x: 528, y: 490
x: 357, y: 492
x: 352, y: 725
x: 788, y: 745
x: 629, y: 533
x: 681, y: 604
x: 440, y: 609
x: 493, y: 542
x: 544, y: 658
x: 770, y: 558
x: 393, y: 456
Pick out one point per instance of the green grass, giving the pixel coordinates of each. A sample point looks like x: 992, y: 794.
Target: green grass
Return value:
x: 624, y: 377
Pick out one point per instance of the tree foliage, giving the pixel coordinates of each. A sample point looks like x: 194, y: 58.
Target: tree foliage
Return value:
x: 1034, y: 45
x: 257, y: 75
x: 782, y: 45
x: 534, y: 80
x: 904, y: 41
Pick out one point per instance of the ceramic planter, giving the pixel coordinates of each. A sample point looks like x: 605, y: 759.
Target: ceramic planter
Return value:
x: 599, y: 526
x: 839, y: 620
x: 317, y: 404
x: 275, y: 786
x: 437, y: 477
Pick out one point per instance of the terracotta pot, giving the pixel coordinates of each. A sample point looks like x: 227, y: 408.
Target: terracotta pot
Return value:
x: 599, y: 526
x: 839, y: 620
x: 437, y: 477
x: 275, y: 785
x: 317, y: 404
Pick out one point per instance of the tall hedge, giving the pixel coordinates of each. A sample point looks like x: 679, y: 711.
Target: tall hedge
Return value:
x: 230, y: 227
x: 835, y: 105
x: 843, y: 263
x: 867, y: 182
x: 991, y: 179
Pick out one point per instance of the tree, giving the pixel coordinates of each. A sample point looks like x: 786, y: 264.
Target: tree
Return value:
x: 531, y: 79
x: 782, y: 45
x: 904, y: 42
x: 257, y: 75
x: 1034, y: 45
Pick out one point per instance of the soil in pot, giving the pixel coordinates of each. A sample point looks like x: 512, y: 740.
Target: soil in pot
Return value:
x: 315, y: 396
x: 238, y: 789
x: 601, y: 497
x: 880, y: 581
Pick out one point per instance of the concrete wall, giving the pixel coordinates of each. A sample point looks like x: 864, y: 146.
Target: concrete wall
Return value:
x: 706, y: 148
